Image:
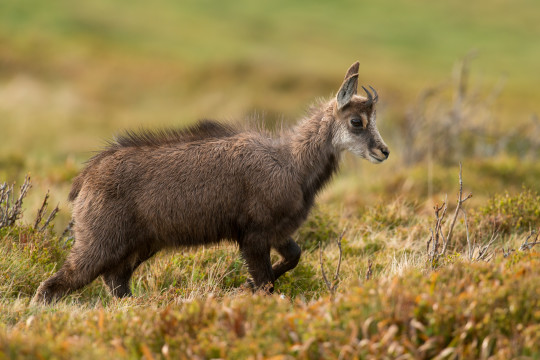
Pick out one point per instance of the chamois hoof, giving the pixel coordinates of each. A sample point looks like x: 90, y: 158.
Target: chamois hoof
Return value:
x: 42, y: 296
x: 268, y: 288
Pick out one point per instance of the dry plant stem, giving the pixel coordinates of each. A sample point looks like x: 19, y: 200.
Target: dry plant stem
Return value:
x: 484, y: 251
x: 68, y: 229
x: 332, y: 285
x: 336, y: 275
x: 435, y: 235
x: 369, y: 272
x: 12, y: 208
x: 469, y: 246
x: 526, y: 244
x: 438, y: 227
x: 328, y: 285
x: 429, y: 242
x: 41, y: 211
x: 459, y: 204
x: 50, y: 218
x: 430, y: 254
x: 507, y: 252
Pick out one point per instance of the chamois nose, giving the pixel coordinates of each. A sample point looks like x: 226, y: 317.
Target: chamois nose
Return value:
x: 385, y: 152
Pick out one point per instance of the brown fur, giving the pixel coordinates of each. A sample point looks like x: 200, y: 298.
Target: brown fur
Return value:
x: 153, y: 190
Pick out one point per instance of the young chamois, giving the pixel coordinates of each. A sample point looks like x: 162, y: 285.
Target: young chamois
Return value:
x: 153, y: 190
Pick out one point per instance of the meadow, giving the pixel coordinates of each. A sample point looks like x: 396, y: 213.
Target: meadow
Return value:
x: 457, y: 83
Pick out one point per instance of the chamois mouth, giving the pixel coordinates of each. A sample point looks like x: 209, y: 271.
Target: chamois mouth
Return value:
x: 374, y: 159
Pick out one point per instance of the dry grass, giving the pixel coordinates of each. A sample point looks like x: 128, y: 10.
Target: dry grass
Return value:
x: 388, y: 302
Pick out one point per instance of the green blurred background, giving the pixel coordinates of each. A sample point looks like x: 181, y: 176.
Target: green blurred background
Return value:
x: 72, y: 74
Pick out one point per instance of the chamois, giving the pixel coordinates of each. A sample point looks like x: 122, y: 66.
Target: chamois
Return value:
x: 153, y: 190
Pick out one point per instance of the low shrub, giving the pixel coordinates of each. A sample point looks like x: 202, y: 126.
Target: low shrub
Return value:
x: 508, y: 213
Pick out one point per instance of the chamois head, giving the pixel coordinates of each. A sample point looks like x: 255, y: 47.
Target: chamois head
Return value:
x: 355, y: 126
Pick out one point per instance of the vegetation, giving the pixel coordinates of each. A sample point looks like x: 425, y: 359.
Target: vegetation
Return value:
x: 73, y: 75
x: 193, y: 303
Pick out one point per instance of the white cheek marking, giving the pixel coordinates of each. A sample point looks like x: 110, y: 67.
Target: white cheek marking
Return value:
x: 344, y: 140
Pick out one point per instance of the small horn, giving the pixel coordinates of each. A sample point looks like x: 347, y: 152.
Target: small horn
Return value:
x: 376, y: 95
x: 369, y: 96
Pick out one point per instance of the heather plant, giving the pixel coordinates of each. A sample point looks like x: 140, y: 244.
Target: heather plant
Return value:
x: 506, y: 213
x: 383, y: 302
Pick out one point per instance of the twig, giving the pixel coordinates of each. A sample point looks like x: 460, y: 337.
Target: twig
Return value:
x: 438, y: 227
x: 322, y: 270
x: 50, y: 218
x: 483, y: 252
x: 470, y: 247
x: 507, y: 252
x: 459, y: 203
x: 369, y: 272
x: 68, y: 229
x: 41, y: 211
x: 336, y: 275
x: 437, y: 233
x: 12, y: 208
x: 429, y: 242
x: 335, y: 281
x: 432, y: 246
x: 526, y: 244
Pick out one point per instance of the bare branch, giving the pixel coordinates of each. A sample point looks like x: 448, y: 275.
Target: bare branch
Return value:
x: 336, y: 275
x: 50, y: 218
x: 335, y: 281
x: 484, y: 251
x: 12, y: 209
x: 369, y: 272
x: 68, y: 228
x: 445, y: 240
x: 458, y: 207
x: 429, y: 242
x: 322, y: 270
x: 467, y: 232
x: 507, y: 252
x: 526, y: 244
x: 41, y: 211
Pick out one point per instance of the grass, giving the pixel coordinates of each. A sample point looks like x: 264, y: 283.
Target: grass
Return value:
x: 193, y: 304
x: 441, y: 314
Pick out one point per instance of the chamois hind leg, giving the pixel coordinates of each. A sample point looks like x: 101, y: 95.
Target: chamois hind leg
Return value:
x: 256, y: 253
x: 290, y: 251
x: 117, y: 278
x: 73, y: 275
x: 83, y: 264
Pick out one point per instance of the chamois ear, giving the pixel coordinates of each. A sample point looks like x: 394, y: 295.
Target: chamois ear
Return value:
x: 347, y: 90
x: 352, y: 70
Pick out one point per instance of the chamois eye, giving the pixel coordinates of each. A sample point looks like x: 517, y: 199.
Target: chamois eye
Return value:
x: 356, y: 122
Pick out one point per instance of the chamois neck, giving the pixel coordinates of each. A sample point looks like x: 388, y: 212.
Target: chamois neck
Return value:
x: 315, y: 157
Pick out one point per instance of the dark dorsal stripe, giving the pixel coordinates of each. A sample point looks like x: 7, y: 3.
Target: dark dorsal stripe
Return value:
x: 204, y: 129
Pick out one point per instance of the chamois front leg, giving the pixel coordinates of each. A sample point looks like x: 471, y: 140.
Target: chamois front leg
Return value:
x: 290, y: 251
x: 256, y: 252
